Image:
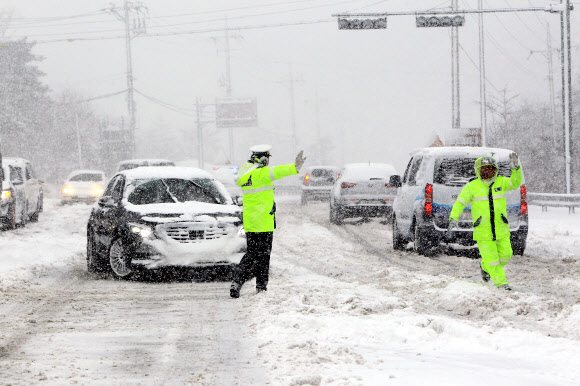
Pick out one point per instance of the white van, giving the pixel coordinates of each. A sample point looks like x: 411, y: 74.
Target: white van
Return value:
x: 22, y: 193
x: 432, y: 182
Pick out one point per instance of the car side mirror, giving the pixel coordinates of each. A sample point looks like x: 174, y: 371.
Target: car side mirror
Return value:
x: 238, y: 200
x: 106, y: 202
x: 395, y: 181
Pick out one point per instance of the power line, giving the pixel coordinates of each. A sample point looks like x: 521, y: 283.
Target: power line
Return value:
x: 168, y: 106
x: 524, y: 23
x: 94, y: 98
x: 477, y: 67
x: 191, y: 32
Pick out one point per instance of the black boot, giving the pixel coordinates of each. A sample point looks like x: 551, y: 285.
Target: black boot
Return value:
x: 261, y: 289
x: 484, y: 275
x: 235, y: 290
x: 505, y: 287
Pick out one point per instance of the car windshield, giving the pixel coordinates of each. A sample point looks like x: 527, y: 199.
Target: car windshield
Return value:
x: 172, y: 190
x: 128, y: 166
x: 161, y: 164
x: 87, y: 177
x: 459, y: 171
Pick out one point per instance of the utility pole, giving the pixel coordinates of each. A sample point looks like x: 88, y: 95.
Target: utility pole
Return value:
x: 565, y: 57
x: 292, y: 111
x: 551, y: 82
x: 318, y: 132
x: 482, y: 78
x: 199, y: 133
x: 137, y: 28
x: 79, y: 148
x: 456, y: 96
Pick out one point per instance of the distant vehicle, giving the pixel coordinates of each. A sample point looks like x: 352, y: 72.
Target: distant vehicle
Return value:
x: 22, y: 193
x: 432, y: 181
x: 135, y: 163
x: 318, y: 182
x: 226, y: 174
x: 362, y: 190
x: 149, y: 218
x: 83, y: 185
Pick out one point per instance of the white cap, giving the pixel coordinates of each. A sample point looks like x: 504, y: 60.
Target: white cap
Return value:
x: 261, y: 148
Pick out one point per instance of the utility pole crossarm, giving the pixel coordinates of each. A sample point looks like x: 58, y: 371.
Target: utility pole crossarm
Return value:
x: 554, y: 8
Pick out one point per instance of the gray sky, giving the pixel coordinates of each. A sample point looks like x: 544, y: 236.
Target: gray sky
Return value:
x: 380, y: 93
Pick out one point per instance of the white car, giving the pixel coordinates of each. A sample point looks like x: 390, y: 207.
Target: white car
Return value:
x: 432, y: 182
x: 83, y: 185
x: 226, y: 174
x: 22, y: 194
x: 362, y: 190
x: 135, y: 163
x: 317, y: 183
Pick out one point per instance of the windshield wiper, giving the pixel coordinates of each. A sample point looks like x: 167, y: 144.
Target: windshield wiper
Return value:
x: 206, y: 191
x: 168, y: 191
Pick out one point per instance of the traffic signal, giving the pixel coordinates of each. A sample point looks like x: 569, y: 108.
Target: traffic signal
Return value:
x: 376, y: 23
x: 440, y: 21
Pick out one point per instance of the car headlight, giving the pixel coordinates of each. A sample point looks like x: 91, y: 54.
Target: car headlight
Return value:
x: 97, y: 191
x: 143, y: 230
x: 68, y: 190
x: 6, y: 194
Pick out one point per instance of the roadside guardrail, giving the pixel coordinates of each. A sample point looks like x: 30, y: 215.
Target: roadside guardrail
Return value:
x: 545, y: 200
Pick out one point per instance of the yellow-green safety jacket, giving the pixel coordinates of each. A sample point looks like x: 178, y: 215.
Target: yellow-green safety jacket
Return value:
x: 257, y: 185
x: 488, y: 204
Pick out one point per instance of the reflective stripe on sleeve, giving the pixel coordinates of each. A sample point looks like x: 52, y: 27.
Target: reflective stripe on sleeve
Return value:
x: 257, y: 190
x: 504, y: 261
x: 272, y: 174
x: 494, y: 263
x: 479, y: 198
x: 498, y: 196
x: 461, y: 201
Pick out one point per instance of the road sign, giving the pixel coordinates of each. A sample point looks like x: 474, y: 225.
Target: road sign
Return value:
x: 440, y: 21
x: 236, y: 112
x: 375, y: 23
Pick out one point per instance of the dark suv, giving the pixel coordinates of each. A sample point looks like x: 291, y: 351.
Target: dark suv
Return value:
x: 154, y: 217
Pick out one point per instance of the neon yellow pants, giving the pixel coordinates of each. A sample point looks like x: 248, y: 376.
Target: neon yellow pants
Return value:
x: 494, y: 255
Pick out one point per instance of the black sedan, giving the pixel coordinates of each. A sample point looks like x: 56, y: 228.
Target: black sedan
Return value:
x: 154, y: 217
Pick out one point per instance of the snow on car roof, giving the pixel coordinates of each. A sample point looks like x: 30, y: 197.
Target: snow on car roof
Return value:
x: 463, y: 151
x: 166, y: 172
x: 14, y: 161
x: 84, y: 171
x: 143, y: 160
x: 368, y: 170
x: 323, y: 167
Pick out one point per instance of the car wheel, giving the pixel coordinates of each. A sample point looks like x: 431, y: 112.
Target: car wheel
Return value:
x: 119, y: 261
x: 398, y: 240
x: 11, y: 217
x: 34, y: 217
x: 518, y: 246
x: 420, y: 243
x: 94, y: 264
x: 24, y: 215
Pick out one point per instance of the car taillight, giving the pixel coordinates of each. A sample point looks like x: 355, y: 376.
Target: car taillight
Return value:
x: 346, y: 185
x: 306, y: 178
x: 524, y: 200
x: 428, y: 198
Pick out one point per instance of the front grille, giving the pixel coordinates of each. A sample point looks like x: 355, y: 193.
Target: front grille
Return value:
x: 194, y: 233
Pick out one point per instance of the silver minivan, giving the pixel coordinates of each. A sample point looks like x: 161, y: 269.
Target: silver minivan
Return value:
x: 432, y: 182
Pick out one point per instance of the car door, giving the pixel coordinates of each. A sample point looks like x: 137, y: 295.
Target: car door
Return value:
x: 31, y: 187
x: 17, y: 179
x: 408, y: 193
x: 113, y: 216
x: 99, y: 221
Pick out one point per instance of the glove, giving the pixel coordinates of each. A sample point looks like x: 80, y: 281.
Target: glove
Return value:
x: 514, y: 163
x: 299, y: 160
x: 453, y: 224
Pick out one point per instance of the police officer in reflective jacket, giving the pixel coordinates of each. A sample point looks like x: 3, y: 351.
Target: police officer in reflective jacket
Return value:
x: 256, y: 179
x: 486, y: 196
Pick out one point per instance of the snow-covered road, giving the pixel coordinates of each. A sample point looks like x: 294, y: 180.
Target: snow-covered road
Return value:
x: 342, y: 308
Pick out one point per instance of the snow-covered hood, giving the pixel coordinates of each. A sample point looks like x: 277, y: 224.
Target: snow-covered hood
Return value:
x: 186, y: 211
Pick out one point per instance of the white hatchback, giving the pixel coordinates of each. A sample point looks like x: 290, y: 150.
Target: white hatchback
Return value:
x: 83, y: 185
x: 362, y: 190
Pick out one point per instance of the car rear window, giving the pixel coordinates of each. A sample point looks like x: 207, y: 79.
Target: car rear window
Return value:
x: 459, y: 171
x: 323, y: 173
x: 87, y: 177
